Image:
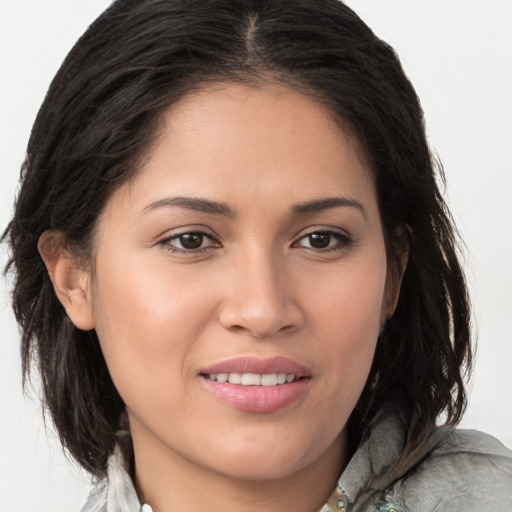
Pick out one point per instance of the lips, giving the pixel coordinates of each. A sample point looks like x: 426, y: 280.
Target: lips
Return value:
x: 257, y: 385
x: 258, y: 366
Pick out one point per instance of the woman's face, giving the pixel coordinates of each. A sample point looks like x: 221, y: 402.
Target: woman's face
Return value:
x: 248, y: 248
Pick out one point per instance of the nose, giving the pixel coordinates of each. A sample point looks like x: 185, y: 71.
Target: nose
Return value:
x: 261, y: 298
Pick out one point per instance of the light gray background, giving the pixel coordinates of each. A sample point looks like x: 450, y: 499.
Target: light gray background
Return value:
x: 458, y: 54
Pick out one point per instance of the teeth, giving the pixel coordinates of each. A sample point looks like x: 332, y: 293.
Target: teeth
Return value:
x: 235, y: 378
x: 253, y: 379
x: 269, y: 380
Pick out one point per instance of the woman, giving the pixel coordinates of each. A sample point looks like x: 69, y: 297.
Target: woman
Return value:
x: 236, y: 270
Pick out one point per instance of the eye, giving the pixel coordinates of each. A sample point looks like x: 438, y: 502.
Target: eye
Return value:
x: 324, y: 240
x: 192, y: 241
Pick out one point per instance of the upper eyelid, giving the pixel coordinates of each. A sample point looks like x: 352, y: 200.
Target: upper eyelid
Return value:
x: 321, y: 229
x: 190, y: 232
x: 185, y: 230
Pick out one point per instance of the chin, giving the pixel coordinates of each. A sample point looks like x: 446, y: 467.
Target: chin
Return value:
x: 263, y: 468
x: 275, y: 460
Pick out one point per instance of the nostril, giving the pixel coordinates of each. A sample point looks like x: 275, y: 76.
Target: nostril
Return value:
x: 237, y: 328
x: 260, y: 316
x: 261, y: 332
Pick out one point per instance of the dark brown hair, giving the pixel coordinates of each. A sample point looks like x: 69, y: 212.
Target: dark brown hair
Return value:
x: 97, y: 120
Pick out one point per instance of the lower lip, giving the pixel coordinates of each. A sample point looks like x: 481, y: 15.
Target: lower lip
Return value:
x: 262, y: 399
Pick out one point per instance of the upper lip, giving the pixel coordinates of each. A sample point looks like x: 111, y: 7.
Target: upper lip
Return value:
x: 258, y: 366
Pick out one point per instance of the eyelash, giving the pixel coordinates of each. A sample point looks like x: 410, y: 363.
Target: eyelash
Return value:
x: 344, y: 241
x: 168, y: 241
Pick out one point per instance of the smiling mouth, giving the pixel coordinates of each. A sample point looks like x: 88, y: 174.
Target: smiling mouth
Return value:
x: 255, y: 385
x: 253, y: 379
x: 256, y: 392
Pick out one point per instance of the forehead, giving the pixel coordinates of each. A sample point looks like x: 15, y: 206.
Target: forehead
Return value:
x: 241, y: 143
x: 246, y: 109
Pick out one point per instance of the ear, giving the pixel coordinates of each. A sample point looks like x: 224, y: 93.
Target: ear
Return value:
x: 70, y: 280
x: 396, y: 270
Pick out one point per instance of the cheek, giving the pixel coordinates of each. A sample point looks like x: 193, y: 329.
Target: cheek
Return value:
x: 145, y: 316
x: 350, y: 299
x: 347, y: 309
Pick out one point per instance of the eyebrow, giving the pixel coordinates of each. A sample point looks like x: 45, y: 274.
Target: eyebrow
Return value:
x: 215, y: 208
x: 327, y: 203
x: 192, y: 203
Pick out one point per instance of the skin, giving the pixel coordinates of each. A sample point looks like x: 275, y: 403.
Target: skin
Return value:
x: 256, y: 286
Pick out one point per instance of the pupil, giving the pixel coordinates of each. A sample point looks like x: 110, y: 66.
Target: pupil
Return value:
x: 319, y: 240
x: 191, y: 240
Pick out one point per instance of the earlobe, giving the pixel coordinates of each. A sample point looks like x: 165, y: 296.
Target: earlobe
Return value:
x: 70, y: 280
x: 396, y: 271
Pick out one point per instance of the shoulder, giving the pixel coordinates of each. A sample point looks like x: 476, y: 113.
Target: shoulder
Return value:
x: 465, y: 469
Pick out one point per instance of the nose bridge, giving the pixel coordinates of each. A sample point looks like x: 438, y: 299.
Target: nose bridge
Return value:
x: 260, y: 300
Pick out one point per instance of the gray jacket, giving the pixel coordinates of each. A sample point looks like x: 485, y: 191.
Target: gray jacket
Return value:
x: 455, y: 471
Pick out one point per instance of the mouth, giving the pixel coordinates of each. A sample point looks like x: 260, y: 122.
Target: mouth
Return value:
x: 253, y: 379
x: 255, y: 385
